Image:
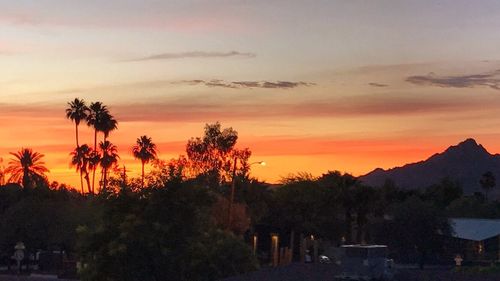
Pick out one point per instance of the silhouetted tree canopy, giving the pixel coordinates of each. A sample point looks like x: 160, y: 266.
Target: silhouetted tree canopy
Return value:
x: 160, y: 234
x: 27, y: 168
x: 212, y: 156
x: 488, y: 182
x: 144, y: 150
x: 417, y: 227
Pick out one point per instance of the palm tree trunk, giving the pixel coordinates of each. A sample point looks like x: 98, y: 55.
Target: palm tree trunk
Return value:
x: 104, y: 171
x: 142, y: 182
x: 26, y: 181
x: 81, y: 181
x: 76, y: 130
x: 77, y: 147
x: 88, y: 181
x: 95, y: 166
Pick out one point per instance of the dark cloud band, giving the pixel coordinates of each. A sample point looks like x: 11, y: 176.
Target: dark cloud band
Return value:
x: 378, y: 85
x: 490, y: 79
x: 247, y: 84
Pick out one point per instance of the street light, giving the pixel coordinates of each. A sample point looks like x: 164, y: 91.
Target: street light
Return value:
x: 233, y: 183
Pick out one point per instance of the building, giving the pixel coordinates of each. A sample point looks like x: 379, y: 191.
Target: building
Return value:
x: 476, y: 240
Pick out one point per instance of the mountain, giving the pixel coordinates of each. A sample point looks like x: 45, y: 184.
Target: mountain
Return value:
x: 465, y: 163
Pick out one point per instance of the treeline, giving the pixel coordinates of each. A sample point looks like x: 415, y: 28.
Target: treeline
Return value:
x: 175, y: 227
x: 338, y: 208
x: 171, y: 224
x: 191, y: 218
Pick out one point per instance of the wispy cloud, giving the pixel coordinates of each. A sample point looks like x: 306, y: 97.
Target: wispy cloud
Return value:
x: 488, y: 79
x: 247, y: 84
x: 195, y: 54
x: 378, y: 85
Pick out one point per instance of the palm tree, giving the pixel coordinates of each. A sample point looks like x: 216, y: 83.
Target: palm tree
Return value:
x: 81, y: 159
x: 76, y: 112
x: 107, y: 125
x: 94, y: 118
x: 98, y: 118
x: 26, y: 167
x: 109, y: 158
x: 487, y: 182
x: 145, y: 150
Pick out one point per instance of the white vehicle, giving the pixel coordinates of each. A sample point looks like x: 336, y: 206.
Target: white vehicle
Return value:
x: 365, y: 262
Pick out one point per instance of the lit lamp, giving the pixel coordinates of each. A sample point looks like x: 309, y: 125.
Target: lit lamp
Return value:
x: 262, y: 163
x: 254, y: 243
x: 274, y: 249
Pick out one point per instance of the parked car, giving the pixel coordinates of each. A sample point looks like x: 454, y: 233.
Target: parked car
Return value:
x: 365, y: 262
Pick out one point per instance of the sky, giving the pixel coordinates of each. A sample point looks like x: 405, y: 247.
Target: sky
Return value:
x: 310, y: 86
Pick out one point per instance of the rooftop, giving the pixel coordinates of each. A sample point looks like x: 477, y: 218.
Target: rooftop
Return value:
x: 475, y: 229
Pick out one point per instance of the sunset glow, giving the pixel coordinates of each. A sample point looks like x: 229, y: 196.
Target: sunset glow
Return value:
x: 342, y: 85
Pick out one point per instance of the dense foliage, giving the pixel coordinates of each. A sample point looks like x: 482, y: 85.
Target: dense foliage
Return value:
x: 42, y: 218
x: 160, y: 234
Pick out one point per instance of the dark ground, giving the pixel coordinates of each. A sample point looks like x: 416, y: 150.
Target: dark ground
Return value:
x: 326, y: 272
x: 319, y: 272
x: 4, y: 277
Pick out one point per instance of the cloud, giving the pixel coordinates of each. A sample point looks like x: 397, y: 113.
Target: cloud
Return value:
x: 489, y: 79
x: 196, y: 54
x: 379, y: 85
x: 246, y: 84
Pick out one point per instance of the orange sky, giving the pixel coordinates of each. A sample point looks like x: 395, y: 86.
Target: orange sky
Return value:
x: 338, y: 85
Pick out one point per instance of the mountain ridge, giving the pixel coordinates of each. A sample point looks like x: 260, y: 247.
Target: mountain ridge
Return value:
x: 465, y: 163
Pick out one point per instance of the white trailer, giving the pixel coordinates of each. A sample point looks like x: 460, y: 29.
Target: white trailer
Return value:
x: 365, y: 262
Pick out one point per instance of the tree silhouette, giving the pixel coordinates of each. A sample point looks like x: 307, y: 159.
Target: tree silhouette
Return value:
x: 77, y: 111
x: 97, y: 109
x: 212, y: 155
x: 94, y: 119
x: 344, y: 186
x: 145, y: 150
x: 417, y: 226
x: 109, y: 158
x: 101, y: 120
x: 107, y: 124
x: 27, y: 167
x: 81, y: 158
x: 487, y: 182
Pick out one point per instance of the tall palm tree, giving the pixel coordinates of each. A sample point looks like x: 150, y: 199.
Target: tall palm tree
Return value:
x: 94, y: 119
x: 145, y: 150
x: 77, y: 111
x: 26, y: 167
x: 81, y: 159
x: 109, y: 158
x: 97, y: 111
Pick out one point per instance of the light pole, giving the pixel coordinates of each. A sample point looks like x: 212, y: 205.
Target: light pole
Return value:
x: 233, y: 183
